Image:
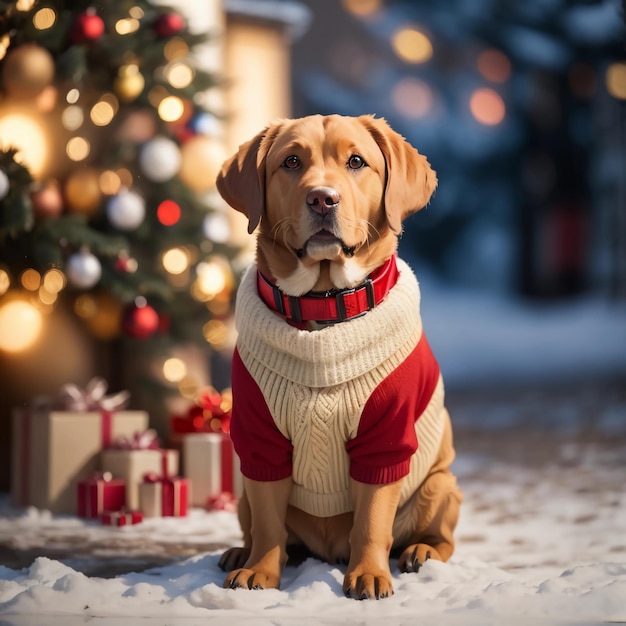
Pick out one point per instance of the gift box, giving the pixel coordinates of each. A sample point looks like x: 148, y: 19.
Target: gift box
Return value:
x: 121, y: 518
x: 57, y: 442
x: 100, y: 493
x: 212, y: 466
x: 132, y: 458
x: 163, y: 497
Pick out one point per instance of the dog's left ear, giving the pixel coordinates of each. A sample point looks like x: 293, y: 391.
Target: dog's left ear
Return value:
x: 241, y: 181
x: 410, y: 180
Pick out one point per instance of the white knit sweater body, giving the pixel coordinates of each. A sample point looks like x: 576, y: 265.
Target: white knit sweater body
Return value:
x: 316, y: 384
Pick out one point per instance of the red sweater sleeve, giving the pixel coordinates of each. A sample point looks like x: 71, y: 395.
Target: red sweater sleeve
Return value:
x: 386, y: 440
x: 264, y: 452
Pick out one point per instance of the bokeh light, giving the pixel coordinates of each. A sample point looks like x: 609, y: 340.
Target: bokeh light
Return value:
x: 171, y: 109
x: 176, y: 260
x: 175, y: 48
x: 494, y: 66
x: 168, y: 213
x: 26, y: 135
x: 30, y: 279
x: 412, y: 97
x: 616, y: 80
x: 72, y: 117
x: 110, y: 183
x: 103, y: 112
x: 5, y: 281
x: 44, y: 18
x: 78, y: 148
x: 412, y: 45
x: 487, y: 106
x: 174, y: 370
x: 127, y: 26
x: 362, y: 8
x: 20, y: 325
x: 180, y: 75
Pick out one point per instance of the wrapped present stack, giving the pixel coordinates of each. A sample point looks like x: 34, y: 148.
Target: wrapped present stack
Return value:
x: 209, y: 460
x: 82, y: 452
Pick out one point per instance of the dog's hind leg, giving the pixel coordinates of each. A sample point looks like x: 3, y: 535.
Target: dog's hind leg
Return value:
x: 434, y: 511
x: 235, y: 558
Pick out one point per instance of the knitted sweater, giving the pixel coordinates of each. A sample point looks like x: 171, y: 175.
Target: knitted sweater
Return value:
x: 349, y: 401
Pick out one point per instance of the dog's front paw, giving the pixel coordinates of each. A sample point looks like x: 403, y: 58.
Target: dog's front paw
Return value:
x: 250, y: 579
x: 367, y: 586
x: 234, y: 558
x: 415, y: 556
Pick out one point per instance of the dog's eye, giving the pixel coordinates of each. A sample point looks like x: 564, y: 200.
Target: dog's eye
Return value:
x: 356, y: 162
x: 292, y: 162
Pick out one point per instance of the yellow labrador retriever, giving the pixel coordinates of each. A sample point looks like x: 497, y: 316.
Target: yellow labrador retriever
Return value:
x: 338, y: 402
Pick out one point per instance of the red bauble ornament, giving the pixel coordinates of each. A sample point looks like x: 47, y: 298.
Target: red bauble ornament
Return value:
x: 87, y: 27
x: 168, y: 24
x: 140, y: 322
x: 47, y: 201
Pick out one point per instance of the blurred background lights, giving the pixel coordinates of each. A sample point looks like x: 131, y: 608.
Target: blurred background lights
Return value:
x: 20, y: 325
x: 72, y: 117
x: 217, y: 228
x: 616, y: 80
x: 176, y: 260
x: 174, y: 370
x: 5, y: 282
x: 211, y: 278
x: 73, y: 96
x: 412, y: 45
x: 103, y: 112
x: 54, y: 281
x: 216, y: 333
x: 44, y: 18
x: 180, y: 75
x: 30, y: 279
x: 27, y: 135
x: 168, y: 213
x: 175, y: 48
x: 25, y: 5
x: 78, y: 149
x: 412, y: 97
x: 362, y: 8
x: 494, y: 66
x: 487, y: 106
x: 110, y: 182
x: 171, y: 109
x: 127, y: 26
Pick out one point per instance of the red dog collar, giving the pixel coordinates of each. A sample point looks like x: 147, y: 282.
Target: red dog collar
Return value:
x: 331, y: 306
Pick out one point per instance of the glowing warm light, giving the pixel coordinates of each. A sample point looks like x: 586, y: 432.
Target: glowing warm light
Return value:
x: 102, y: 113
x: 494, y: 66
x: 72, y: 117
x: 47, y: 99
x: 126, y: 177
x: 362, y: 8
x: 176, y: 260
x: 487, y: 106
x: 412, y: 97
x: 188, y: 387
x: 175, y: 48
x: 44, y: 19
x: 412, y: 45
x: 174, y: 370
x: 27, y: 136
x: 54, y: 281
x: 127, y: 26
x: 171, y: 109
x: 110, y: 183
x: 25, y: 5
x: 180, y: 75
x: 30, y: 279
x: 168, y: 213
x: 5, y: 42
x: 47, y: 297
x: 616, y: 80
x: 5, y: 282
x: 136, y: 12
x: 85, y: 306
x: 20, y: 326
x: 77, y: 148
x: 216, y: 333
x: 72, y: 96
x: 211, y: 278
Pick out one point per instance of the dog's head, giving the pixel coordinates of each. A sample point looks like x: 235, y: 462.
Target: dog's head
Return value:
x: 330, y: 194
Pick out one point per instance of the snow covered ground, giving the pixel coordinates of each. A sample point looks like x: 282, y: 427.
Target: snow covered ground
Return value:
x: 542, y: 537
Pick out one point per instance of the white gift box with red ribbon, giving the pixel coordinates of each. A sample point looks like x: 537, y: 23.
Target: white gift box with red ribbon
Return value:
x: 212, y: 466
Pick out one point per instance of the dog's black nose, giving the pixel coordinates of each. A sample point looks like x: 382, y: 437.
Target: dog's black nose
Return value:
x: 322, y: 199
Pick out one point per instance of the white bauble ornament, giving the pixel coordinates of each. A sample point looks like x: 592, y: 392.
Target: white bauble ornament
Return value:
x: 4, y: 184
x: 217, y: 228
x: 83, y: 269
x: 160, y: 159
x: 126, y: 210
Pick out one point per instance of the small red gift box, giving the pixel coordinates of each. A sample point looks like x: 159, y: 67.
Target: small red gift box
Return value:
x: 160, y: 496
x: 121, y: 518
x: 100, y: 493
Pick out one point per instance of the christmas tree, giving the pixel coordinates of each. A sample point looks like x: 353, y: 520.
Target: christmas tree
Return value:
x: 107, y: 165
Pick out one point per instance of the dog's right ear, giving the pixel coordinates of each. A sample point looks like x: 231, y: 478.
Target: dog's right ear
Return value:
x: 241, y: 181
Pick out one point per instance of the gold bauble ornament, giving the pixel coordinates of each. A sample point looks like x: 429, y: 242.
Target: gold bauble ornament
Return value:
x: 82, y: 191
x: 129, y: 83
x: 201, y: 160
x: 26, y: 71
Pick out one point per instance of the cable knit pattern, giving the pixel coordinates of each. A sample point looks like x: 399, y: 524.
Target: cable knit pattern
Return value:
x: 316, y: 384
